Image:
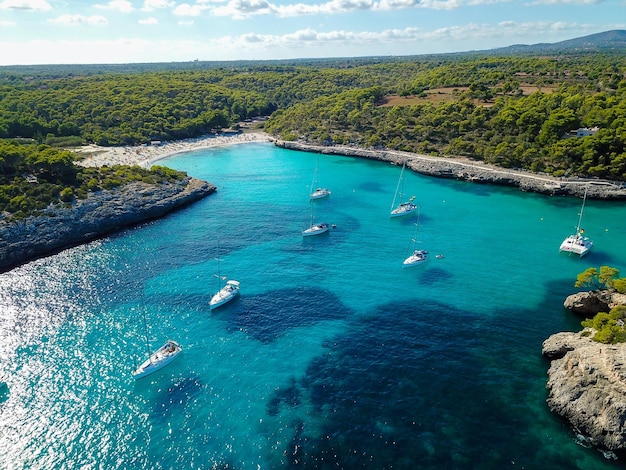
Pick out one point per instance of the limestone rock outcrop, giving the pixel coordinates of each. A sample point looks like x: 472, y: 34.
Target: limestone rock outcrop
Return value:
x: 101, y: 213
x: 589, y: 303
x: 587, y: 387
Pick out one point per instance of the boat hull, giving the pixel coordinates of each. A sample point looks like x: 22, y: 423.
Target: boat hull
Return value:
x: 226, y: 294
x: 418, y: 257
x: 316, y: 229
x: 403, y: 209
x: 576, y: 244
x: 162, y: 357
x: 320, y: 193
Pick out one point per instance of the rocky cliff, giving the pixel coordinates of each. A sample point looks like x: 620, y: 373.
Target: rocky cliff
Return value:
x: 468, y: 170
x: 587, y: 379
x: 587, y: 304
x: 101, y: 213
x: 587, y: 387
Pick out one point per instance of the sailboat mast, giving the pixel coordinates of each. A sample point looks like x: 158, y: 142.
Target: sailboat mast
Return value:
x: 145, y: 328
x: 398, y: 187
x: 582, y: 208
x: 417, y: 225
x: 219, y: 274
x: 314, y: 182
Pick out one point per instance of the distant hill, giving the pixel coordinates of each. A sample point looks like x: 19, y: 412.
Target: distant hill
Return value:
x: 608, y: 41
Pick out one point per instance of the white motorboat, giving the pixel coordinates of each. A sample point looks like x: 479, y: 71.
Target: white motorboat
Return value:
x: 406, y: 207
x: 225, y: 294
x: 577, y: 243
x: 159, y: 359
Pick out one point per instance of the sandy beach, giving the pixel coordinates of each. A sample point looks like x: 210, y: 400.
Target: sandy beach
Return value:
x: 147, y: 155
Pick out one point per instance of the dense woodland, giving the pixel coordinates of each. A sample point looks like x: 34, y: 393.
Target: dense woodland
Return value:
x: 512, y: 111
x: 34, y: 176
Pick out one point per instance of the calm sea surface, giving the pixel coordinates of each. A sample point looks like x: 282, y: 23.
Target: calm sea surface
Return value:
x: 332, y: 357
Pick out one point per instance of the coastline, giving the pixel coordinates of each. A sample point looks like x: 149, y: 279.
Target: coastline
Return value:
x: 441, y: 167
x: 477, y: 172
x: 100, y: 214
x: 147, y: 155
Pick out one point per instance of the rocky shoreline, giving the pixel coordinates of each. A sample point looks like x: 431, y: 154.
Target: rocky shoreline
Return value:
x: 468, y: 170
x: 100, y: 214
x: 587, y: 387
x: 587, y: 379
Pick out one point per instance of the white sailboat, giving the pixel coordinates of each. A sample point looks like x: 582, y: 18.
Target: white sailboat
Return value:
x: 314, y: 228
x: 403, y: 208
x: 578, y: 243
x: 227, y: 292
x: 417, y: 256
x: 316, y: 191
x: 160, y: 358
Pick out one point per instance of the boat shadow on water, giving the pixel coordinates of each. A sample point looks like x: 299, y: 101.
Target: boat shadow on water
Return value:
x: 432, y: 276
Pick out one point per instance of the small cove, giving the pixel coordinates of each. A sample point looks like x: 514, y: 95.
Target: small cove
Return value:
x: 332, y: 356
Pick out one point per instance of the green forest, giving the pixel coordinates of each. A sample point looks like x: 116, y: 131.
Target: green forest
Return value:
x: 34, y: 176
x: 511, y: 111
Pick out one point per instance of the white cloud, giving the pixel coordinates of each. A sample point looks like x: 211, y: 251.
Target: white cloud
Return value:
x: 455, y: 37
x: 26, y: 5
x: 239, y: 9
x: 307, y: 37
x: 148, y: 21
x: 73, y: 20
x: 151, y: 5
x: 306, y: 42
x: 6, y: 24
x: 123, y: 6
x: 430, y: 4
x: 185, y: 9
x: 566, y: 2
x: 539, y: 29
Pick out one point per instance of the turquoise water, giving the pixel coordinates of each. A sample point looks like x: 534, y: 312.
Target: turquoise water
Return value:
x: 333, y: 355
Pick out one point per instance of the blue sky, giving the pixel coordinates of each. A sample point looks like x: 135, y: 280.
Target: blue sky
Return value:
x: 127, y: 31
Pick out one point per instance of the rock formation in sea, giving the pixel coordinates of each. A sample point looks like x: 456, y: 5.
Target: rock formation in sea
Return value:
x: 587, y: 387
x: 477, y: 172
x: 587, y: 379
x: 587, y: 304
x: 101, y: 213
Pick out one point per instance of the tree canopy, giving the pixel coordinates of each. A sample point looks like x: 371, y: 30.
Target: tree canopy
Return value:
x: 34, y: 176
x: 609, y: 327
x: 605, y: 278
x: 509, y: 111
